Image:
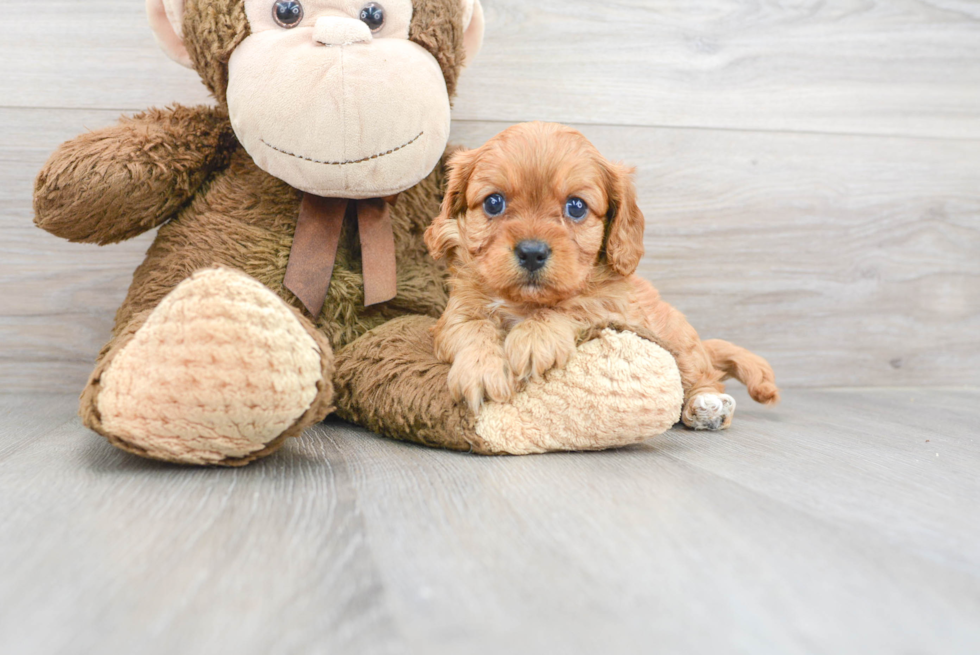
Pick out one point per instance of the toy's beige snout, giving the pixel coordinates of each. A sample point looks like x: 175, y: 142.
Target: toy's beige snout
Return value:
x: 339, y: 31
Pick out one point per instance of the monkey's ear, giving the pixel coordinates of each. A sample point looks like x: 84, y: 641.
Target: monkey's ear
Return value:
x: 167, y: 19
x: 624, y: 245
x: 442, y: 236
x: 473, y: 24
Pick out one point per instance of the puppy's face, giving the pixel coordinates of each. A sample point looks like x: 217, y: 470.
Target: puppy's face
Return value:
x: 532, y: 213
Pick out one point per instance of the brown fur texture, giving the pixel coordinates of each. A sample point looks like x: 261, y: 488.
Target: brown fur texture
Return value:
x: 157, y: 161
x: 214, y: 28
x: 390, y: 382
x: 183, y: 169
x: 746, y: 367
x: 506, y: 324
x: 437, y: 26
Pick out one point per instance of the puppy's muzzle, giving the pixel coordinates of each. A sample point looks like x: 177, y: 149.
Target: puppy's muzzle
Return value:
x: 532, y: 255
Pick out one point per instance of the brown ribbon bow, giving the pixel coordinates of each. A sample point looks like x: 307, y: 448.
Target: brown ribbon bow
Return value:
x: 315, y: 244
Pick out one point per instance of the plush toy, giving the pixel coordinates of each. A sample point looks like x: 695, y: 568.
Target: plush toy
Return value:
x: 289, y: 277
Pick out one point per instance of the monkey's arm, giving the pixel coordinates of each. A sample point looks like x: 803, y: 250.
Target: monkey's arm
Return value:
x: 114, y: 184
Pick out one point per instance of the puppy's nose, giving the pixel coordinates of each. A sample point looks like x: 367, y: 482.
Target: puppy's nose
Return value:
x: 532, y: 255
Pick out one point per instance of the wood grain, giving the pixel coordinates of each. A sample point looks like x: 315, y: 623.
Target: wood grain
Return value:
x: 846, y: 260
x: 899, y: 67
x: 96, y: 54
x: 811, y: 176
x: 57, y: 299
x: 148, y: 553
x: 841, y: 522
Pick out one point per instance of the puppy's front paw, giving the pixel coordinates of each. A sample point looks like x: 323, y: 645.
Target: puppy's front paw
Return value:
x: 532, y: 349
x: 474, y: 377
x: 709, y: 411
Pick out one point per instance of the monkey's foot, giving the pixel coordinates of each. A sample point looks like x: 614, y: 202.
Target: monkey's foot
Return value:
x: 709, y: 411
x: 616, y: 390
x: 221, y: 372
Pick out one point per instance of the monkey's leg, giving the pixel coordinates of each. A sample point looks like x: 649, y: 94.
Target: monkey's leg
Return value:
x: 615, y: 390
x: 221, y: 372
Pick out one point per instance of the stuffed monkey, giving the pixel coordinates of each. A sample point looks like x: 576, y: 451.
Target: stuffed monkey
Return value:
x: 289, y: 277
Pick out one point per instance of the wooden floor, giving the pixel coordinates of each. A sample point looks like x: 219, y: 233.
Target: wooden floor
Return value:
x: 843, y: 522
x: 810, y: 172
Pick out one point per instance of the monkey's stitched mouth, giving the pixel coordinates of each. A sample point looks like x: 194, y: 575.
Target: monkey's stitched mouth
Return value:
x: 344, y: 163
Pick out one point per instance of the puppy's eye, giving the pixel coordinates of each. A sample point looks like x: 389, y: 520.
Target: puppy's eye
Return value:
x: 576, y: 209
x: 494, y: 205
x: 287, y: 14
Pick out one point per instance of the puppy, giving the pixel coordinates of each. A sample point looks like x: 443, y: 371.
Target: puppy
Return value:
x: 543, y: 236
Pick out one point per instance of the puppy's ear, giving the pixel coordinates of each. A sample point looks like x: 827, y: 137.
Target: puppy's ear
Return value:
x: 461, y: 164
x: 624, y: 243
x: 442, y: 236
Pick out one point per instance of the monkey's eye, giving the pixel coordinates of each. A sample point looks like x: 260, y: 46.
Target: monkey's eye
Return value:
x: 373, y: 16
x: 494, y: 205
x: 287, y: 14
x: 576, y: 209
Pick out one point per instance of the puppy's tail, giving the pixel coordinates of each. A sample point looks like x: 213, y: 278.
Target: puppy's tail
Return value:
x: 746, y: 367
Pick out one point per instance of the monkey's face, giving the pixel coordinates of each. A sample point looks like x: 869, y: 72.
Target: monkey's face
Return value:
x: 333, y: 98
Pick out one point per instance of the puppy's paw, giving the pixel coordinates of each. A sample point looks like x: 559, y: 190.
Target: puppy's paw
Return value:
x: 709, y: 411
x: 474, y: 377
x: 533, y: 349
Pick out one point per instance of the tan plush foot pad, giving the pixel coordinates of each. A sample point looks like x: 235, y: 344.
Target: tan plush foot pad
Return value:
x: 221, y: 368
x: 616, y: 390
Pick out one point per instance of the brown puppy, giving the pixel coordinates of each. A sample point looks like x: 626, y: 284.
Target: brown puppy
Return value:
x: 543, y: 235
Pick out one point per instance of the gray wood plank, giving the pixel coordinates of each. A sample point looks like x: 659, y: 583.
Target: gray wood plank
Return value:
x: 793, y: 533
x: 100, y: 552
x: 845, y: 260
x: 827, y: 525
x: 880, y: 67
x: 97, y: 54
x: 905, y: 67
x: 57, y: 299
